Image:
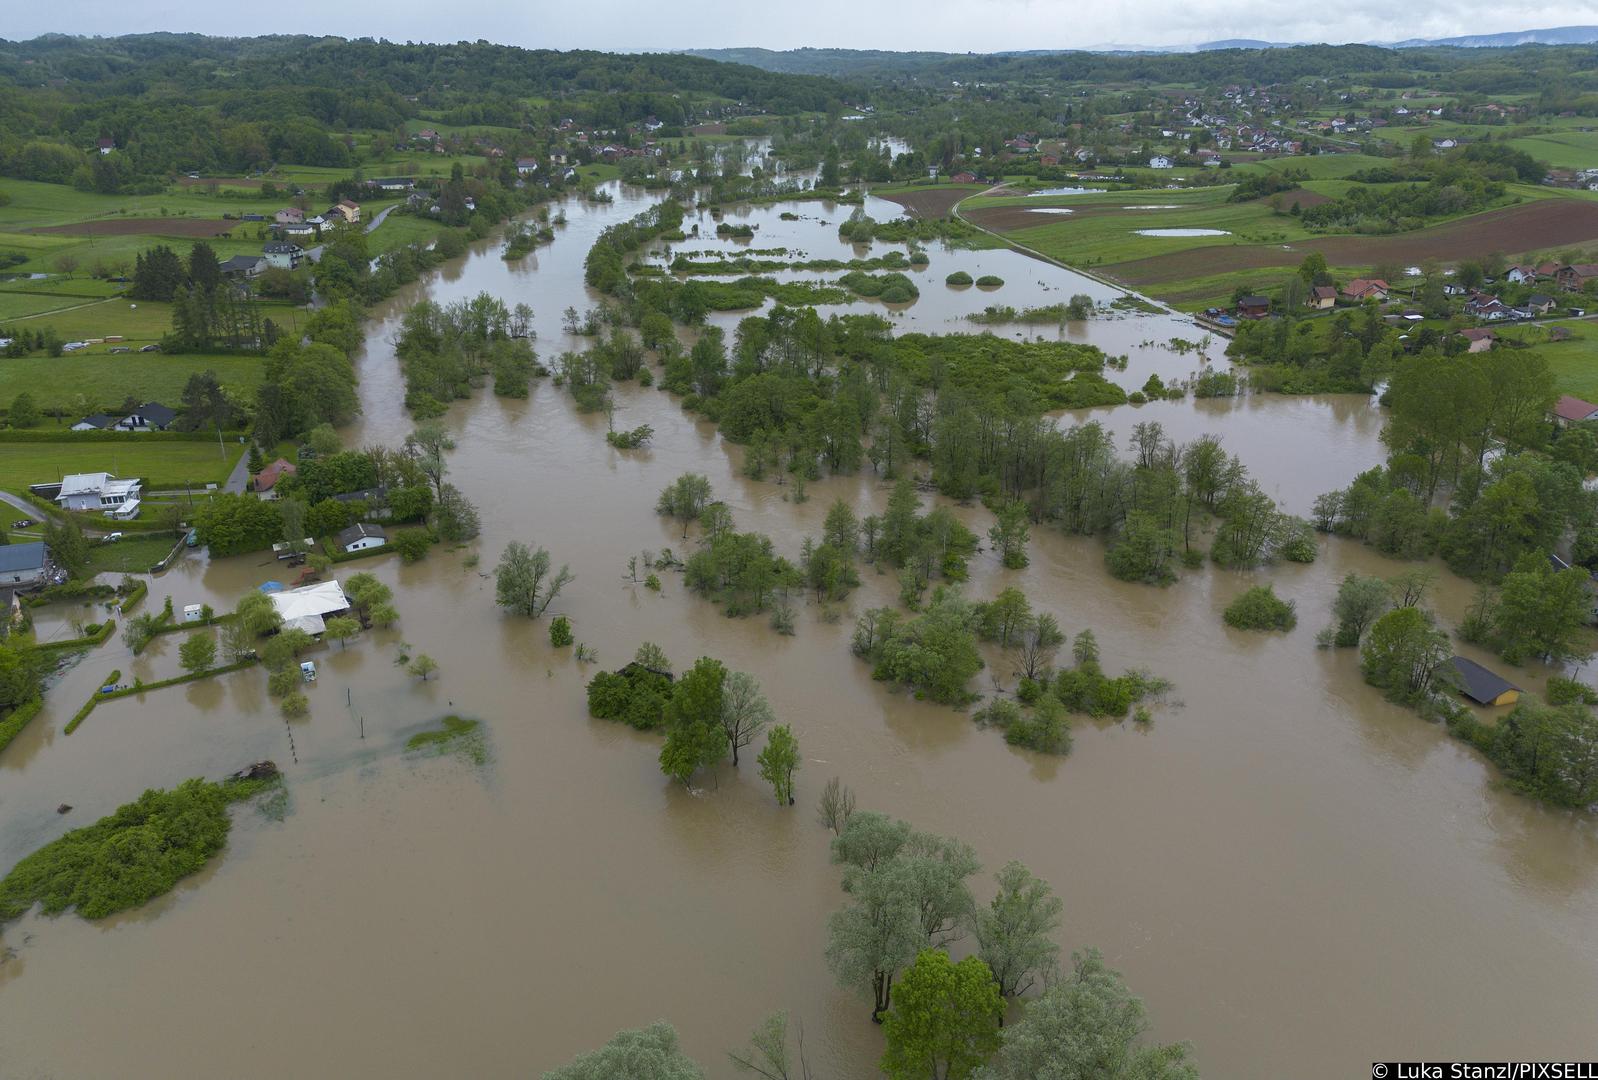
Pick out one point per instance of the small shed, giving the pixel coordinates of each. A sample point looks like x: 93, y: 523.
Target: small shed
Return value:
x: 1483, y: 686
x: 361, y: 537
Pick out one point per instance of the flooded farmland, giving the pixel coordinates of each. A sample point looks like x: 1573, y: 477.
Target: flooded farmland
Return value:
x: 1297, y: 876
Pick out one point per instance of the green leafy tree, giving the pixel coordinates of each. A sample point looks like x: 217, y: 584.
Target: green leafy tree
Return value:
x: 1011, y: 533
x: 945, y: 1019
x: 685, y: 499
x: 779, y: 761
x: 1542, y: 612
x: 24, y: 413
x: 524, y: 581
x: 198, y: 652
x: 876, y: 934
x: 767, y: 1054
x: 1013, y: 931
x: 423, y: 667
x: 1404, y: 654
x: 745, y: 712
x: 694, y: 733
x: 1085, y: 1027
x: 256, y: 614
x: 412, y: 544
x: 1360, y: 601
x: 560, y: 632
x: 649, y: 1053
x: 341, y: 628
x: 67, y: 545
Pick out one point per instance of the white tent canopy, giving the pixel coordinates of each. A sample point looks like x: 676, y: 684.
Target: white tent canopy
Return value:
x: 306, y: 608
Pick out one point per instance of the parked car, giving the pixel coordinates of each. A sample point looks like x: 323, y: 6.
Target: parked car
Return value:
x: 74, y: 346
x: 23, y: 523
x: 121, y: 349
x: 151, y: 348
x: 110, y: 538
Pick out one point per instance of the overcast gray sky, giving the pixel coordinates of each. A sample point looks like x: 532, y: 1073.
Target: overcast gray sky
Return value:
x: 950, y: 25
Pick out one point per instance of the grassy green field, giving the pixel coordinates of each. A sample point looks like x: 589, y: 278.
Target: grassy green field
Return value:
x: 163, y: 464
x: 1316, y: 166
x: 1564, y: 149
x: 135, y: 553
x: 78, y: 383
x: 137, y: 323
x: 1110, y: 236
x: 1574, y: 362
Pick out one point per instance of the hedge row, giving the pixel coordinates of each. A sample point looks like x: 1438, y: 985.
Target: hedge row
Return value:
x: 133, y: 597
x: 85, y: 642
x: 193, y: 676
x: 76, y: 589
x: 12, y: 725
x: 32, y: 435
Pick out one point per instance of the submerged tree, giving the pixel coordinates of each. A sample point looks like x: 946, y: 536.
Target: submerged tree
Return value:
x: 945, y: 1019
x: 745, y: 712
x: 524, y: 582
x: 684, y: 499
x: 1085, y: 1027
x: 1013, y: 931
x: 767, y: 1054
x: 649, y: 1053
x: 694, y: 733
x: 779, y: 761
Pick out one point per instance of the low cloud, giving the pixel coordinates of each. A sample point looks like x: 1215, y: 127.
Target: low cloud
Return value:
x: 940, y: 25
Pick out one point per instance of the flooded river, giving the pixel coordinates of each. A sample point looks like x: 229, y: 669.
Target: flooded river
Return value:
x: 1298, y: 877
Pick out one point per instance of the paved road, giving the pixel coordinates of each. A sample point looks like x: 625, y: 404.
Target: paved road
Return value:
x: 315, y: 254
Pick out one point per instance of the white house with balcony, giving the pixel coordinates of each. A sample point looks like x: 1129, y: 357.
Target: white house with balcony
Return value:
x: 99, y: 491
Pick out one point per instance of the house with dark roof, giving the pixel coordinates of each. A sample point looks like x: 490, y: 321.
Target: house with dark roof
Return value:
x: 1482, y: 686
x: 151, y: 416
x: 1541, y: 303
x: 361, y: 537
x: 241, y: 267
x: 284, y: 256
x: 1322, y: 297
x: 22, y: 565
x: 1480, y: 338
x: 526, y: 166
x: 97, y: 422
x: 1484, y: 306
x: 1254, y: 307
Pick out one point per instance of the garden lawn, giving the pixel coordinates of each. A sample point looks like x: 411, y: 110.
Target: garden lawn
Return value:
x: 88, y: 382
x: 160, y: 464
x: 135, y: 553
x: 1574, y: 363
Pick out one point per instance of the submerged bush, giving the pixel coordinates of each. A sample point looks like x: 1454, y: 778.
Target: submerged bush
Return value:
x: 130, y: 856
x: 1261, y: 609
x: 959, y: 277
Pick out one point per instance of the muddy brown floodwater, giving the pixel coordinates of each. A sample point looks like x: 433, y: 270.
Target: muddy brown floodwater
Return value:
x: 1297, y: 876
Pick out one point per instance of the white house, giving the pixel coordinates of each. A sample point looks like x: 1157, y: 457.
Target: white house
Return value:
x: 361, y: 537
x: 151, y: 416
x: 1159, y: 161
x: 307, y: 607
x: 526, y: 166
x: 97, y: 422
x: 22, y: 565
x: 283, y: 256
x: 97, y: 491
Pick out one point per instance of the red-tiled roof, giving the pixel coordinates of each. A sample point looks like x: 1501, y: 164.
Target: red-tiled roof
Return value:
x: 269, y: 476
